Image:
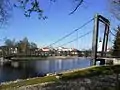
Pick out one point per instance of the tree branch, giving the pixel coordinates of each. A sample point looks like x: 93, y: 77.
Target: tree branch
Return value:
x: 81, y: 1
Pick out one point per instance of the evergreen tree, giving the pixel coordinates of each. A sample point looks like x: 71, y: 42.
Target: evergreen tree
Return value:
x: 116, y: 46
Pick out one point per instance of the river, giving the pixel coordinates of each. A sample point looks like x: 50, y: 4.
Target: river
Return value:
x: 33, y: 68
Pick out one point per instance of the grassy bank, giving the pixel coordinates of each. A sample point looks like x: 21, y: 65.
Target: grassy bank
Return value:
x: 92, y: 71
x: 33, y: 81
x: 88, y: 72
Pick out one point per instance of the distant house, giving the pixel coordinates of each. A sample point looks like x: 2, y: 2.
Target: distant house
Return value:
x: 45, y: 49
x: 74, y: 52
x: 60, y: 51
x: 67, y: 51
x: 13, y: 50
x: 64, y: 49
x: 8, y: 50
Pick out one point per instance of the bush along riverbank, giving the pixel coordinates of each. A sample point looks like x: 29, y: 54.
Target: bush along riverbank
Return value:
x: 93, y: 78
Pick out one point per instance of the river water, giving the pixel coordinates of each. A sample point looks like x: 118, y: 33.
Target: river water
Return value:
x: 33, y: 68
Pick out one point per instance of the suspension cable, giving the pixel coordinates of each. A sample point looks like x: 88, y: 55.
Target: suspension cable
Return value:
x: 112, y: 33
x: 75, y: 39
x: 71, y: 32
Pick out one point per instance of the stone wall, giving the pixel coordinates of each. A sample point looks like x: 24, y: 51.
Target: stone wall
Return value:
x: 106, y: 82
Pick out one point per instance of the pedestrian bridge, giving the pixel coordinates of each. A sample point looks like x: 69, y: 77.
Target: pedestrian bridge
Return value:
x: 107, y: 61
x: 85, y: 42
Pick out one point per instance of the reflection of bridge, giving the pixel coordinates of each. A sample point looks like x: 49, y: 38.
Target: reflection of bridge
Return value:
x: 85, y: 42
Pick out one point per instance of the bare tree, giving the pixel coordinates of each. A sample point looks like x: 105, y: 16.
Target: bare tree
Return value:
x: 79, y: 2
x: 5, y: 11
x: 33, y: 6
x: 115, y: 8
x: 28, y: 6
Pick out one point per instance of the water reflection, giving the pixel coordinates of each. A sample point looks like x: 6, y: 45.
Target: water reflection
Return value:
x: 26, y: 69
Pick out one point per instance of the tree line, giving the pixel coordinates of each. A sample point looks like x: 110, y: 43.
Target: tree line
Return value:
x: 23, y: 46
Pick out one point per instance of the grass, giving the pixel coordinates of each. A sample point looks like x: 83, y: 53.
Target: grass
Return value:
x: 28, y: 82
x: 88, y: 72
x: 92, y: 71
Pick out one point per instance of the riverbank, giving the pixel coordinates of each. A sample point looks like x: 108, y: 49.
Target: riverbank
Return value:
x: 99, y: 77
x: 42, y: 58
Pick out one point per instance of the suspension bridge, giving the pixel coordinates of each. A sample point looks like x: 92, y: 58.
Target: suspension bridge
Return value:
x: 96, y: 38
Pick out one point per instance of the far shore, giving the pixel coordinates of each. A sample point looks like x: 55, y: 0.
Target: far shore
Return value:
x: 42, y: 58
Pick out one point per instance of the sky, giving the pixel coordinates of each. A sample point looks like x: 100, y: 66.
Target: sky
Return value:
x: 58, y: 24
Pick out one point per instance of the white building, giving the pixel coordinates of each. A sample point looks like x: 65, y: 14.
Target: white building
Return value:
x: 64, y: 49
x: 45, y: 49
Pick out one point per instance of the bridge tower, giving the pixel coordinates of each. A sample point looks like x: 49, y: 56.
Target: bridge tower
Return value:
x: 97, y: 20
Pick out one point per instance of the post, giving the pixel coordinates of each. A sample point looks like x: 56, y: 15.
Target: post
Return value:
x: 106, y: 41
x: 103, y: 43
x: 106, y: 33
x: 95, y: 39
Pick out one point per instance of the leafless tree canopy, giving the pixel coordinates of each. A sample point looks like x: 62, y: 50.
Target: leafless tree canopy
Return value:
x: 115, y: 8
x: 34, y: 6
x: 5, y: 11
x: 29, y: 6
x: 79, y: 2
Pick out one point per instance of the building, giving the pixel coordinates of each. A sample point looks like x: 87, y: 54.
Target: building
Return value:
x: 62, y: 51
x: 74, y: 52
x: 5, y: 50
x: 45, y: 49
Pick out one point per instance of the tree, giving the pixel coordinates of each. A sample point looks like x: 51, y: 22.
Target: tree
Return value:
x: 5, y: 11
x: 115, y: 8
x: 116, y: 46
x: 28, y: 6
x: 33, y: 45
x: 25, y: 45
x: 87, y: 53
x: 10, y: 43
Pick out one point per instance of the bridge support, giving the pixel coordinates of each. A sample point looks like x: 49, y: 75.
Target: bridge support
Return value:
x: 97, y: 19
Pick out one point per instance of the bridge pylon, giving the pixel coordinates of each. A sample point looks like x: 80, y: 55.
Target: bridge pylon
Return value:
x: 97, y: 19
